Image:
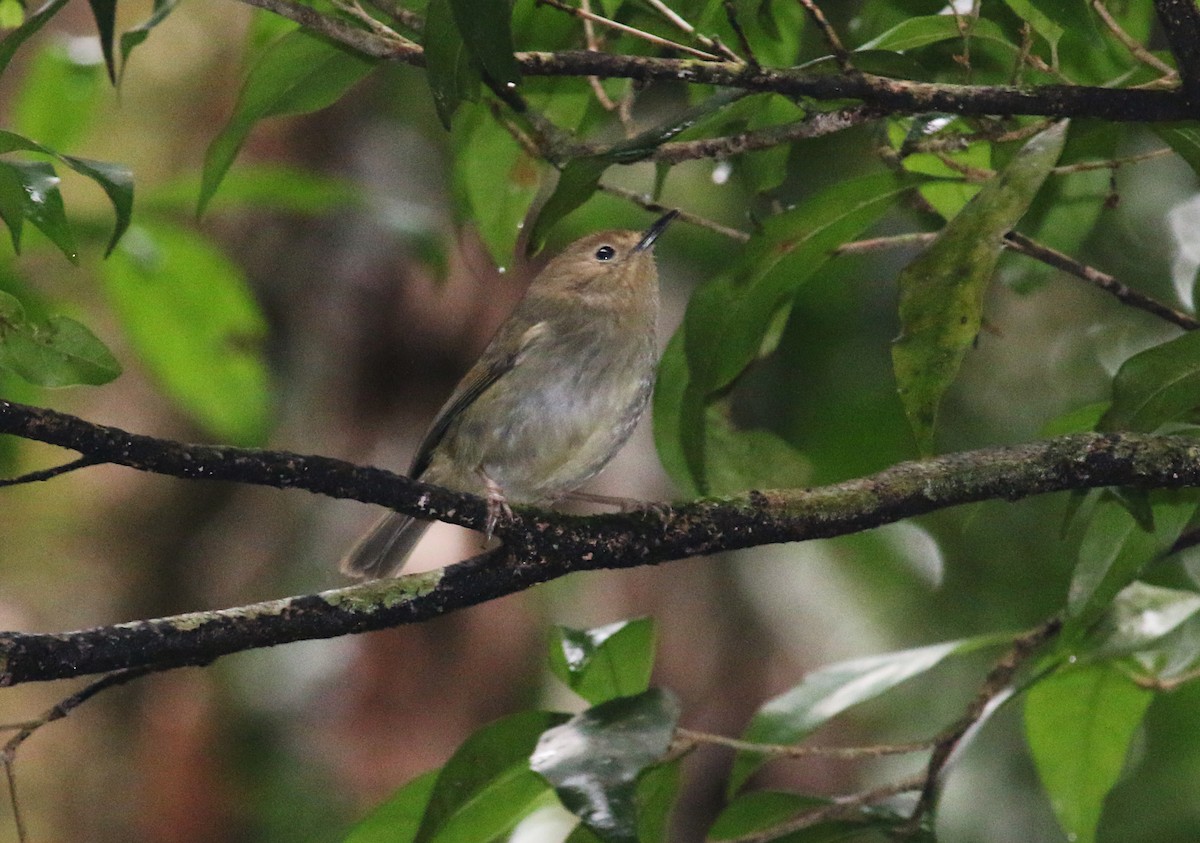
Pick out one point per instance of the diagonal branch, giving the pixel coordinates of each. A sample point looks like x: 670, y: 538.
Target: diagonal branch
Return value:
x: 539, y: 545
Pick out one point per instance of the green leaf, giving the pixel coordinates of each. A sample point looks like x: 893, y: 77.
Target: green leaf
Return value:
x: 580, y: 177
x: 397, y: 819
x: 657, y: 790
x: 1080, y: 420
x: 40, y: 202
x: 1039, y: 21
x: 1184, y: 138
x: 190, y: 315
x: 273, y: 187
x: 135, y: 37
x: 1075, y: 18
x: 12, y: 14
x: 606, y: 662
x: 56, y: 352
x: 115, y: 180
x: 1139, y: 617
x: 105, y: 14
x: 941, y: 291
x: 1079, y: 724
x: 486, y: 30
x: 493, y: 190
x: 949, y: 192
x: 58, y: 97
x: 729, y: 318
x: 487, y: 787
x: 827, y: 692
x: 736, y: 459
x: 916, y: 32
x: 594, y: 760
x: 13, y: 40
x: 12, y: 204
x: 1159, y: 385
x: 453, y: 76
x: 576, y: 183
x: 297, y: 74
x: 1113, y: 552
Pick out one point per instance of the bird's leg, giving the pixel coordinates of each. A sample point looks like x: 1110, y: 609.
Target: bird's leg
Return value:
x: 496, y: 502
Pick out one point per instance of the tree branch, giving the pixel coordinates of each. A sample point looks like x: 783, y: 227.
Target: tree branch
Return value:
x: 538, y: 545
x: 897, y: 96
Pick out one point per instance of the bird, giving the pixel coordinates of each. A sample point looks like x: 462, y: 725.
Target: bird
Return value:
x: 554, y: 395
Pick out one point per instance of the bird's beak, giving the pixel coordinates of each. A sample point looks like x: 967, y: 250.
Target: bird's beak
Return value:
x: 653, y: 231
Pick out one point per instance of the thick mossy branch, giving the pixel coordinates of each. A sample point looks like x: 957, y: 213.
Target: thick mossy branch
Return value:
x: 538, y: 545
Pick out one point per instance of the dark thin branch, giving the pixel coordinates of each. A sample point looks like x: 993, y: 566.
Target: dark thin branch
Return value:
x: 1126, y: 295
x: 998, y: 680
x: 740, y: 33
x: 1029, y: 247
x: 840, y: 54
x: 8, y: 756
x: 47, y: 473
x: 1180, y: 21
x: 365, y: 41
x: 897, y: 96
x: 893, y: 95
x: 846, y: 808
x: 538, y: 545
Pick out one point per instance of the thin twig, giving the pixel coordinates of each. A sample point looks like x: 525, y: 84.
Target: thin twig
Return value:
x: 879, y: 244
x: 643, y: 201
x: 841, y: 808
x: 1165, y: 685
x: 840, y: 54
x: 47, y: 473
x: 677, y: 21
x: 1135, y: 49
x: 1027, y: 246
x: 629, y: 30
x: 8, y: 756
x: 369, y: 43
x: 354, y: 10
x: 401, y: 15
x: 593, y: 45
x: 739, y: 33
x: 785, y: 751
x: 998, y: 680
x: 1112, y: 163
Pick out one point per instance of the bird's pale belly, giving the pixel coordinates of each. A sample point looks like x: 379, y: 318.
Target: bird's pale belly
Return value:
x: 566, y: 430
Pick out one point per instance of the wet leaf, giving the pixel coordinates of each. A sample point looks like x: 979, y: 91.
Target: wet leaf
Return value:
x: 595, y: 760
x: 606, y: 662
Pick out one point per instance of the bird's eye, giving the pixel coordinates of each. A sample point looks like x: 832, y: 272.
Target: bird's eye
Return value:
x: 605, y: 253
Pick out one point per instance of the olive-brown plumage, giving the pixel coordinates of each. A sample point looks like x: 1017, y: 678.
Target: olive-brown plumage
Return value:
x: 552, y: 398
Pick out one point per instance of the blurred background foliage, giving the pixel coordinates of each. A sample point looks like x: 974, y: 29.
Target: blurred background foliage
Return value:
x: 345, y: 274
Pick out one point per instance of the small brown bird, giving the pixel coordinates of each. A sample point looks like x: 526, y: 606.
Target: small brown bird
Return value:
x: 555, y: 394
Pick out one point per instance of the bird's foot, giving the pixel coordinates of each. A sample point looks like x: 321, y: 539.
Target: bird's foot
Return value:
x: 497, y: 506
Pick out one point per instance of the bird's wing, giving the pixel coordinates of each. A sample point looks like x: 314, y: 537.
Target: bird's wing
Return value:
x: 489, y: 369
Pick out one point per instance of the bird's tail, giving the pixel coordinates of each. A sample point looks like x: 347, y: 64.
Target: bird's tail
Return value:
x: 383, y: 551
